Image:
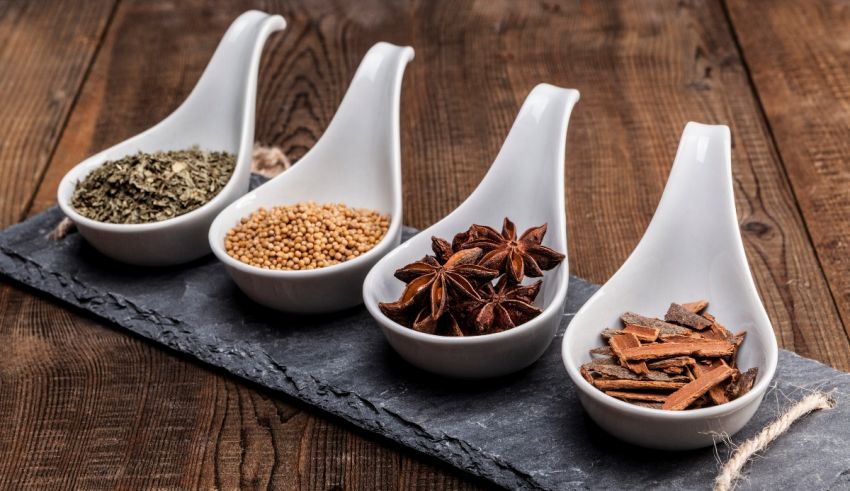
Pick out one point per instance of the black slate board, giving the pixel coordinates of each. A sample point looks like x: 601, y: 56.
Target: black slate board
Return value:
x: 525, y: 431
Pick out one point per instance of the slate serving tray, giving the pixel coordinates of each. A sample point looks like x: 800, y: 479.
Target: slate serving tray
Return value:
x: 525, y: 431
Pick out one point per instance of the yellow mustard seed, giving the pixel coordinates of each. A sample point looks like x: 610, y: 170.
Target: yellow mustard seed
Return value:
x: 305, y: 235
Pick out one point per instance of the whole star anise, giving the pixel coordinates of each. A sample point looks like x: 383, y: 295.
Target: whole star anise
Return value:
x: 516, y: 257
x: 459, y: 276
x: 503, y: 307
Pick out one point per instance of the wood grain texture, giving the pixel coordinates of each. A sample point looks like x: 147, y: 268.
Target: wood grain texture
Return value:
x: 119, y: 412
x: 45, y: 49
x: 799, y: 56
x: 86, y: 406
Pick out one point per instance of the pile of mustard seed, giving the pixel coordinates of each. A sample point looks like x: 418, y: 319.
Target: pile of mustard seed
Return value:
x: 305, y: 235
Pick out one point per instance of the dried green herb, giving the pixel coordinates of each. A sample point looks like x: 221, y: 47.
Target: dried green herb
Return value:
x: 151, y: 187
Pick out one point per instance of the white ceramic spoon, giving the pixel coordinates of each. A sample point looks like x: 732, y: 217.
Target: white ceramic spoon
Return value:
x: 357, y: 161
x: 691, y: 250
x: 217, y: 115
x: 525, y: 184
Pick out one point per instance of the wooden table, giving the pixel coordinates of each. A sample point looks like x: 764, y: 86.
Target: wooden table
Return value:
x: 84, y: 405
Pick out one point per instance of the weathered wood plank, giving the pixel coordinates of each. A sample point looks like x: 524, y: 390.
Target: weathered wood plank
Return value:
x: 799, y: 58
x: 45, y: 50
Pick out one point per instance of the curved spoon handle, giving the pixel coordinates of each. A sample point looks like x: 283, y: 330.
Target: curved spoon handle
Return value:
x: 697, y: 205
x: 365, y: 127
x: 227, y: 89
x: 530, y: 164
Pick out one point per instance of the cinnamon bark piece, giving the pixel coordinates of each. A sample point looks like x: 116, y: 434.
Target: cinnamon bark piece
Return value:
x: 602, y: 351
x: 708, y: 349
x: 685, y: 396
x: 605, y: 384
x: 586, y: 374
x: 604, y: 360
x: 643, y: 333
x: 673, y: 370
x: 743, y: 385
x: 609, y: 371
x: 696, y: 307
x: 717, y: 394
x: 664, y: 328
x: 678, y: 338
x: 677, y: 314
x: 676, y: 362
x: 717, y: 330
x: 622, y: 342
x: 608, y: 332
x: 637, y: 396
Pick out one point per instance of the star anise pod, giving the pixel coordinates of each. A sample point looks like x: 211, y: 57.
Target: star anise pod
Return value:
x: 503, y: 307
x: 458, y: 277
x: 442, y: 249
x: 516, y: 257
x: 447, y: 325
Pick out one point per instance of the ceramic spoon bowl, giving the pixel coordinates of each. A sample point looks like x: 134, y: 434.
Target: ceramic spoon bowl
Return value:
x: 356, y: 162
x: 526, y: 184
x: 691, y: 250
x: 217, y: 115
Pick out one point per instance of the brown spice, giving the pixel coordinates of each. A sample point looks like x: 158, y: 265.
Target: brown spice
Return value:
x: 622, y: 342
x: 637, y: 396
x: 716, y: 393
x: 664, y: 328
x: 695, y: 348
x: 696, y: 307
x: 679, y: 315
x: 685, y: 396
x: 305, y: 235
x: 689, y: 353
x: 451, y: 293
x: 643, y: 333
x: 636, y: 384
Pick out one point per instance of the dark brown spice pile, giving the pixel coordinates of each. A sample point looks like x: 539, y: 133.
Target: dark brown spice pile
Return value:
x: 686, y: 361
x: 451, y: 293
x: 151, y: 187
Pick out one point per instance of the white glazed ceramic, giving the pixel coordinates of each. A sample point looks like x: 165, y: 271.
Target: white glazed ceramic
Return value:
x: 526, y: 184
x: 356, y: 162
x: 217, y: 115
x: 691, y: 250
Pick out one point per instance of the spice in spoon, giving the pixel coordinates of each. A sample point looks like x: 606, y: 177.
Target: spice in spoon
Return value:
x: 151, y: 187
x: 452, y: 292
x: 686, y: 361
x: 305, y: 235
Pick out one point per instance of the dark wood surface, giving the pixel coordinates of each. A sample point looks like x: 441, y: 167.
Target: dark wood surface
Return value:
x: 85, y: 405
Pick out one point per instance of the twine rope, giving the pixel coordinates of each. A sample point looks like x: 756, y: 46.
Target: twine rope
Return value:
x: 731, y: 470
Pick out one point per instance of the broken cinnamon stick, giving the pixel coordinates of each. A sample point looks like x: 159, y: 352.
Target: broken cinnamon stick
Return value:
x: 689, y: 354
x: 717, y: 394
x: 643, y: 333
x: 677, y: 314
x: 666, y: 350
x: 632, y: 319
x: 696, y: 307
x: 678, y: 362
x: 606, y: 384
x: 743, y: 385
x: 621, y: 342
x: 685, y: 396
x: 637, y: 396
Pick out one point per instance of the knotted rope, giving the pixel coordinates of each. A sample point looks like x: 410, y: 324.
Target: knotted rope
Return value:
x: 731, y: 470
